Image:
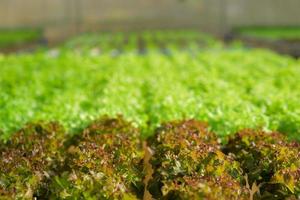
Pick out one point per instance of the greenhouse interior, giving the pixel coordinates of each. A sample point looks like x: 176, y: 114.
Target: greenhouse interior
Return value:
x: 150, y: 99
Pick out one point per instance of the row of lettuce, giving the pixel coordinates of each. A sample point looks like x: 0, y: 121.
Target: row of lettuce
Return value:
x: 182, y: 160
x: 142, y: 42
x: 229, y: 88
x: 145, y: 39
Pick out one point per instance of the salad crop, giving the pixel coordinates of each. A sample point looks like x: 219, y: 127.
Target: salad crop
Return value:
x: 182, y: 160
x: 188, y: 164
x: 140, y: 42
x: 269, y: 160
x: 104, y: 163
x: 120, y: 116
x: 29, y: 159
x: 230, y: 88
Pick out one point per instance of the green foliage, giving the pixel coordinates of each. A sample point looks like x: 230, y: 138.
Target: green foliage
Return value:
x: 29, y: 159
x: 10, y: 38
x: 269, y: 160
x: 271, y: 33
x: 105, y: 164
x: 188, y: 164
x: 230, y: 88
x: 149, y: 78
x: 140, y: 42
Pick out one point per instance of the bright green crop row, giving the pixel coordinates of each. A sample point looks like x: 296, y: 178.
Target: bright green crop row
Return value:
x: 273, y: 33
x: 230, y: 88
x: 16, y: 37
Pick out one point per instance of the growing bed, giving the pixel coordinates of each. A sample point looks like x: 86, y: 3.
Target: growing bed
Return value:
x: 106, y: 117
x: 285, y: 40
x: 273, y: 33
x: 12, y: 40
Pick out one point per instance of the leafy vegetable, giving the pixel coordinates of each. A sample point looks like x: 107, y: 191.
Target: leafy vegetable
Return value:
x: 188, y: 164
x: 29, y: 159
x: 269, y: 160
x: 104, y: 165
x: 229, y: 88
